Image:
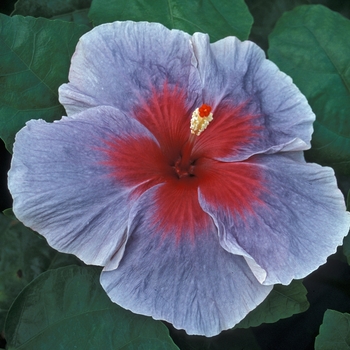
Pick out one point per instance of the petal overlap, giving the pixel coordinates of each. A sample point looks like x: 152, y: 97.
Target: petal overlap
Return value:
x: 293, y: 224
x: 178, y: 281
x: 56, y: 174
x: 118, y: 63
x: 237, y: 73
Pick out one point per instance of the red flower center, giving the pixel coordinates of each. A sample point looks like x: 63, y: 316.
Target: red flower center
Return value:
x: 183, y: 162
x: 183, y: 170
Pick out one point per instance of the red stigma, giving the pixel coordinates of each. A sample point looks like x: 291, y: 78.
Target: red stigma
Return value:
x: 204, y: 110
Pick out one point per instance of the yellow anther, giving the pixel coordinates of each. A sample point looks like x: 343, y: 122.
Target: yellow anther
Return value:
x: 201, y: 118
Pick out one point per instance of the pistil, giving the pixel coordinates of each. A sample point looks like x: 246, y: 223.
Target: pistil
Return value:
x: 201, y: 117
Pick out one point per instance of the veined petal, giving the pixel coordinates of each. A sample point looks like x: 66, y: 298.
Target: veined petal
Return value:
x: 118, y: 64
x: 63, y: 188
x: 166, y: 114
x: 295, y: 219
x: 236, y: 74
x: 194, y: 284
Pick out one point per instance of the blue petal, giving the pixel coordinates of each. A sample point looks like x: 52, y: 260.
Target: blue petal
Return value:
x: 298, y: 222
x: 238, y: 73
x: 194, y: 283
x: 118, y: 64
x: 62, y: 190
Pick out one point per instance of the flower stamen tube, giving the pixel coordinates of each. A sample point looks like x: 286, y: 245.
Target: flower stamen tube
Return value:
x: 201, y: 117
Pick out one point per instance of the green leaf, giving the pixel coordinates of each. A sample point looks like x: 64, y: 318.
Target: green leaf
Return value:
x: 65, y: 10
x: 311, y: 44
x: 34, y: 62
x: 218, y: 18
x: 334, y: 331
x: 23, y: 256
x: 9, y: 213
x: 233, y: 339
x: 282, y: 302
x: 48, y: 8
x: 266, y: 13
x: 78, y: 17
x: 68, y: 309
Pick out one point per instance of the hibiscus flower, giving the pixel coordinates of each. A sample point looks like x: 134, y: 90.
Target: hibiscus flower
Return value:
x: 180, y: 170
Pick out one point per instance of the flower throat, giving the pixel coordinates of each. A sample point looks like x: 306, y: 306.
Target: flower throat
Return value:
x: 201, y: 117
